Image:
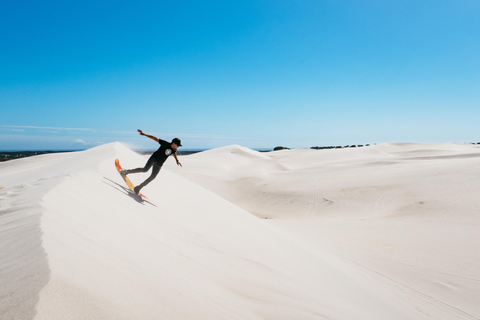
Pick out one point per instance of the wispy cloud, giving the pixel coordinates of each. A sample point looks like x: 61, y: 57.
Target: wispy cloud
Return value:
x: 21, y: 128
x: 117, y: 133
x: 80, y: 141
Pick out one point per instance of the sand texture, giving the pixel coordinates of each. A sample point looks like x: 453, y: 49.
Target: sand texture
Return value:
x: 390, y: 231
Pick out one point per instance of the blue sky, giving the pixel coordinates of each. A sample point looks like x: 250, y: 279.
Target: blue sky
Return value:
x: 74, y: 75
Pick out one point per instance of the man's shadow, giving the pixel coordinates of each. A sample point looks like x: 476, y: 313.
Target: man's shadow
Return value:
x: 127, y: 191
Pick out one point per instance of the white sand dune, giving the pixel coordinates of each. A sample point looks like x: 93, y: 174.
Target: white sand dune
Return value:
x: 388, y: 180
x: 381, y: 232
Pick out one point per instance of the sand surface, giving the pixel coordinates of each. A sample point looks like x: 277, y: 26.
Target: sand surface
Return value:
x: 390, y: 231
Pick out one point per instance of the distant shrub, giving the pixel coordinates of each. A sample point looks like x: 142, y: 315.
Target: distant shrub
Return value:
x: 280, y: 148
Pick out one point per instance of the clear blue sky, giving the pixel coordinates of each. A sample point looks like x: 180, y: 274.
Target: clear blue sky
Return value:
x: 76, y: 74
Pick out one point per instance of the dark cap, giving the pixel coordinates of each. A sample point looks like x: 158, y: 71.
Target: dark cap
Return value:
x: 177, y: 142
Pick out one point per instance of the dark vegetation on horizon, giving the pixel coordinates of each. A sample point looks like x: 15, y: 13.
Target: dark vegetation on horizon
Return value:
x: 340, y: 147
x: 355, y: 146
x: 12, y: 155
x: 325, y: 147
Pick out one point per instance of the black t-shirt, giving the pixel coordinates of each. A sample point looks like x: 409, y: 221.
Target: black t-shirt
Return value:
x: 164, y: 151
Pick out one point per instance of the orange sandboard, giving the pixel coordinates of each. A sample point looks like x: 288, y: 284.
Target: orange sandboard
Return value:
x: 127, y: 181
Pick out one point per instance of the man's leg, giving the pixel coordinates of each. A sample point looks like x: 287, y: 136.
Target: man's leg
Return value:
x: 155, y: 171
x: 147, y: 167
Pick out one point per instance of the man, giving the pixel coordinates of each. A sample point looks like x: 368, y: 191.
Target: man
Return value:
x: 156, y: 160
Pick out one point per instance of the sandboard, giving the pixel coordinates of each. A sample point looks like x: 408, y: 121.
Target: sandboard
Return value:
x: 125, y: 178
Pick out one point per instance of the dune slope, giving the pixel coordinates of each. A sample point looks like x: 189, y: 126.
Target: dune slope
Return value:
x: 77, y: 245
x: 407, y: 212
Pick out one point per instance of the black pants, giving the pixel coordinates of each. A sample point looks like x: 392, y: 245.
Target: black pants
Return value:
x: 156, y: 169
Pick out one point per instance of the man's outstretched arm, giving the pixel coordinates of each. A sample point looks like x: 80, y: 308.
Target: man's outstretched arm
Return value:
x: 176, y: 159
x: 148, y: 135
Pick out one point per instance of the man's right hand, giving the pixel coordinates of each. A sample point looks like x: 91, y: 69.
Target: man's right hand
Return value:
x: 141, y: 132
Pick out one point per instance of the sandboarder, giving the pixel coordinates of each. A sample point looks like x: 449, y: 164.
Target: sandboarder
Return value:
x: 156, y: 160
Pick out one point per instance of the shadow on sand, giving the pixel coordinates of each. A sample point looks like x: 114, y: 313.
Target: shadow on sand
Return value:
x: 127, y: 191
